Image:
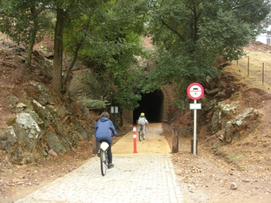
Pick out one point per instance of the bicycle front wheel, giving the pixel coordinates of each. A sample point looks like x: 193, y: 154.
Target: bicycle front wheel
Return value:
x: 103, y: 162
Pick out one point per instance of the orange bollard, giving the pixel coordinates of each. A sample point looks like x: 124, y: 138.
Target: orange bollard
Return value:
x: 134, y: 138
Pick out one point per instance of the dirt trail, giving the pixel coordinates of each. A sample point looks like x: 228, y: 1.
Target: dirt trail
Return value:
x: 155, y: 143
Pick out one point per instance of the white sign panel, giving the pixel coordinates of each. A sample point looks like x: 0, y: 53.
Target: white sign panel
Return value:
x: 114, y: 109
x: 195, y: 106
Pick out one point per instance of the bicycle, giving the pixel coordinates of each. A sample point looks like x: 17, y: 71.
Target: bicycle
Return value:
x: 141, y: 135
x: 104, y: 157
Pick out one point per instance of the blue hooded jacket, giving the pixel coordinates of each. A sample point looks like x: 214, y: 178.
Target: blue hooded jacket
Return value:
x: 104, y: 129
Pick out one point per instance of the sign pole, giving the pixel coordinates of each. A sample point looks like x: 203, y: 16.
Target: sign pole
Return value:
x: 195, y: 130
x: 195, y: 91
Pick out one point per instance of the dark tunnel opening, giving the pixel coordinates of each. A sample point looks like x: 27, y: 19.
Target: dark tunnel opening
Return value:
x: 152, y: 105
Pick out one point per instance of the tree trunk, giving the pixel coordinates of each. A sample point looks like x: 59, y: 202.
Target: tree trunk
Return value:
x: 30, y: 49
x: 71, y: 66
x: 33, y: 34
x: 58, y: 50
x: 78, y: 47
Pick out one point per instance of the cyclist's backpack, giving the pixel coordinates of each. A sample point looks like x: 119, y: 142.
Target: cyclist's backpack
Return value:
x: 141, y: 121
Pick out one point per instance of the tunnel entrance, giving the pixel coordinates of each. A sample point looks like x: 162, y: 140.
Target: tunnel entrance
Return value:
x: 152, y: 105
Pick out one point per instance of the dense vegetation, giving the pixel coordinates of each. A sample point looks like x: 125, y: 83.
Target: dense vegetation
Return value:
x: 188, y: 36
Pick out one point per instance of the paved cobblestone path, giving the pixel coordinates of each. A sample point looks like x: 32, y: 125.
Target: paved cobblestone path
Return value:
x: 143, y: 177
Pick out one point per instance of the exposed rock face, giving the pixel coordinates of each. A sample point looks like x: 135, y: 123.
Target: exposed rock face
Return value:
x: 235, y: 128
x: 43, y: 126
x: 231, y: 111
x: 8, y: 139
x: 34, y: 121
x: 230, y: 114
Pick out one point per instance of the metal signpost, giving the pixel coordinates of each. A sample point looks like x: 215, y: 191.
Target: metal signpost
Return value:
x: 195, y: 91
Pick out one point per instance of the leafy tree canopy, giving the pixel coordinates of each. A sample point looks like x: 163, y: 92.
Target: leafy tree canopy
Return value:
x: 191, y: 34
x: 25, y: 21
x: 110, y: 36
x: 105, y: 34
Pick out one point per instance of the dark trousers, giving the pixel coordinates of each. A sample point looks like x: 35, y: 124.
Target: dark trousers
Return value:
x: 109, y: 153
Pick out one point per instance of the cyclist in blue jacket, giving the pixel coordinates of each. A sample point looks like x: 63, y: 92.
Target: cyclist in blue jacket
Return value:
x: 103, y: 132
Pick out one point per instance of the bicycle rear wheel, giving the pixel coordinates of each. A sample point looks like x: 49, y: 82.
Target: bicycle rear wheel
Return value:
x: 139, y: 135
x: 103, y: 159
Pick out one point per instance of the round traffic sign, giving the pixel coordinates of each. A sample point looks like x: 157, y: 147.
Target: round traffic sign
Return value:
x: 195, y: 91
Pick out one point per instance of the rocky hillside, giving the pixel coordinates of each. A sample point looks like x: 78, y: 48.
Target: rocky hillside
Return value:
x: 35, y: 122
x: 233, y: 161
x: 42, y: 135
x: 234, y: 121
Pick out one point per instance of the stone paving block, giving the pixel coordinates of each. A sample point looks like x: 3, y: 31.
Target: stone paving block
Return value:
x: 144, y: 177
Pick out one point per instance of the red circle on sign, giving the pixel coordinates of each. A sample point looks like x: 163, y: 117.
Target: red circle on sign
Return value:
x: 195, y: 91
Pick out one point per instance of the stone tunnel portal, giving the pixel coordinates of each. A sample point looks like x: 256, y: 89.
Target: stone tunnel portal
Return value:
x: 152, y: 105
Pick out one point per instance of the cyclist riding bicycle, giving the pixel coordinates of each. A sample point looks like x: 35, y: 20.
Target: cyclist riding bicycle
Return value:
x: 103, y: 132
x: 142, y: 121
